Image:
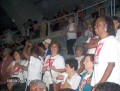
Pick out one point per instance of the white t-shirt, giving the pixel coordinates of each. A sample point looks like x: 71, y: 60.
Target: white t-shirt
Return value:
x: 35, y: 69
x: 17, y: 72
x: 91, y: 50
x: 79, y: 60
x: 71, y: 35
x: 74, y: 81
x: 118, y: 35
x: 107, y: 51
x: 56, y: 61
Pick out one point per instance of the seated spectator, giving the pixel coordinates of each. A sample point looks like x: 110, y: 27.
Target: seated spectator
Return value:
x: 87, y: 76
x: 37, y: 85
x: 107, y: 86
x: 70, y: 79
x: 80, y: 58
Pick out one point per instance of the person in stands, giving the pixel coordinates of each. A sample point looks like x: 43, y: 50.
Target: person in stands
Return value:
x: 107, y: 55
x: 85, y: 84
x: 53, y: 66
x: 71, y: 35
x: 116, y: 21
x: 37, y: 85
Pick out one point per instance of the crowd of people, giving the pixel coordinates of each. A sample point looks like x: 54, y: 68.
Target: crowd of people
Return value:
x: 95, y: 66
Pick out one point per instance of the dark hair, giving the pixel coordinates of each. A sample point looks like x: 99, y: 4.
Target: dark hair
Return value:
x: 107, y: 86
x: 35, y: 22
x: 91, y: 57
x: 73, y: 63
x: 110, y: 24
x: 35, y: 49
x: 116, y: 18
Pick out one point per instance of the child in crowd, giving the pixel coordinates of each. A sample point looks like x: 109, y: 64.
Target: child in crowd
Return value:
x: 86, y: 76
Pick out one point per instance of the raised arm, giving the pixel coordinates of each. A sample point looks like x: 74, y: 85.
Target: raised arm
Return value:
x: 26, y: 50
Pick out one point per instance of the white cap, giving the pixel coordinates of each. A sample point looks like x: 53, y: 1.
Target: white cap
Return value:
x: 47, y: 41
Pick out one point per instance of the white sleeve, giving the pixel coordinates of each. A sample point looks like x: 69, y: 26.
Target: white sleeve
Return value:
x: 111, y: 51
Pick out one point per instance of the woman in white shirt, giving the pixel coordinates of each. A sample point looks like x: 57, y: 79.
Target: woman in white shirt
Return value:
x: 70, y: 78
x: 17, y: 71
x: 107, y: 59
x: 71, y: 36
x: 53, y: 66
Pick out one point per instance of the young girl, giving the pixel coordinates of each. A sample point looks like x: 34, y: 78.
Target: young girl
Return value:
x: 85, y: 84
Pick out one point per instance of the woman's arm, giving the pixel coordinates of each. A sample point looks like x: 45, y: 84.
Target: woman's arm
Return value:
x: 26, y: 50
x: 58, y: 70
x: 108, y: 72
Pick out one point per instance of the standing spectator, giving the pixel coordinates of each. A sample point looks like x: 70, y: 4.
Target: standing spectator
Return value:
x: 53, y: 66
x: 102, y: 12
x: 116, y: 21
x: 33, y: 54
x: 91, y: 43
x: 89, y: 31
x: 107, y: 55
x: 71, y: 35
x: 36, y: 28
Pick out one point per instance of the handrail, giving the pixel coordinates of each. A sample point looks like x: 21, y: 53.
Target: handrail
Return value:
x: 80, y: 10
x: 92, y: 5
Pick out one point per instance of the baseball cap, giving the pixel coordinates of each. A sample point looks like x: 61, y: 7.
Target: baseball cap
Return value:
x: 47, y: 41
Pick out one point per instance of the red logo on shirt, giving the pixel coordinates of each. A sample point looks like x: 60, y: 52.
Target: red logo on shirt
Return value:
x: 99, y: 47
x: 16, y: 71
x: 49, y: 62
